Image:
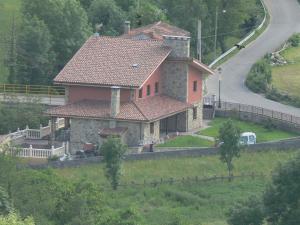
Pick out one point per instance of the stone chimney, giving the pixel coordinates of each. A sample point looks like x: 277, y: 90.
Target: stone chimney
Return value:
x: 180, y: 45
x: 126, y: 27
x: 115, y: 101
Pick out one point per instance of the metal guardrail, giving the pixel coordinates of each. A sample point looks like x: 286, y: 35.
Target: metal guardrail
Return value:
x: 32, y: 89
x: 244, y: 40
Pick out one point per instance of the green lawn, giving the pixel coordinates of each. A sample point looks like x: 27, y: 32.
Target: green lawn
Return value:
x: 187, y: 141
x: 287, y: 78
x: 203, y: 203
x: 262, y: 133
x: 8, y: 8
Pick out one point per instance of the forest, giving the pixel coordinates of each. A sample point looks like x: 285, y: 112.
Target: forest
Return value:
x: 46, y: 34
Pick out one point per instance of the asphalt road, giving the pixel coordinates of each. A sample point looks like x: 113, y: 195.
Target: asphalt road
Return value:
x: 285, y: 20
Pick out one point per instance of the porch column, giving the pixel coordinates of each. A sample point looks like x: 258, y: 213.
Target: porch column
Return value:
x: 176, y: 123
x: 52, y: 128
x: 167, y: 126
x: 67, y: 122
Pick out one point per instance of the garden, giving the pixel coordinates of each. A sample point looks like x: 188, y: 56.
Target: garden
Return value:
x: 264, y: 132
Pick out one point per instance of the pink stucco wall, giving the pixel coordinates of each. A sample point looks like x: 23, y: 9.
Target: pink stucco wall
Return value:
x: 194, y: 75
x: 77, y: 93
x: 155, y: 77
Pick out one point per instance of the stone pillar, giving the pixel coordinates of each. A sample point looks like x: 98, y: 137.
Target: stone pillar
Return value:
x: 52, y: 128
x: 126, y: 27
x: 115, y: 101
x: 115, y: 105
x: 180, y: 45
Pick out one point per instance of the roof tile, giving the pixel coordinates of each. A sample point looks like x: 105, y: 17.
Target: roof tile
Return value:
x: 109, y: 61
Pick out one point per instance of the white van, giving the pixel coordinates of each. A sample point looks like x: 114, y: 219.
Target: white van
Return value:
x: 248, y: 138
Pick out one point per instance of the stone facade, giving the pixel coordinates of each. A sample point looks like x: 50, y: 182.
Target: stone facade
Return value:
x: 147, y: 136
x: 85, y: 130
x: 175, y: 80
x: 195, y: 123
x: 180, y: 46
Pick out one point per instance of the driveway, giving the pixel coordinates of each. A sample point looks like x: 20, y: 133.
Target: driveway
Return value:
x: 285, y: 20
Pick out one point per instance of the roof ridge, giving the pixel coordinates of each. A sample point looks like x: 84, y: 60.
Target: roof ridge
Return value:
x: 139, y: 110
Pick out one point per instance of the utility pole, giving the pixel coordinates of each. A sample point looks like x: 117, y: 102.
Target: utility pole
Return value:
x: 216, y: 33
x: 199, y: 42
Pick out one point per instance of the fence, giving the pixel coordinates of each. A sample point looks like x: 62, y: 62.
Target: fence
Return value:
x: 254, y: 110
x: 188, y: 180
x: 39, y: 153
x: 32, y: 89
x: 36, y: 133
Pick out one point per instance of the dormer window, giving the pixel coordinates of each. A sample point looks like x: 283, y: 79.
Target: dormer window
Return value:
x: 141, y: 93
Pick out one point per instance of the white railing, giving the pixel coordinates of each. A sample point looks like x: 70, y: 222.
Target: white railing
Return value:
x: 39, y: 153
x: 244, y: 40
x: 37, y: 133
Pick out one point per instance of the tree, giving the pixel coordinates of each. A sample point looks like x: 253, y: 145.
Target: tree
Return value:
x: 113, y: 151
x: 282, y: 197
x: 14, y: 219
x: 35, y: 60
x: 249, y: 212
x: 109, y: 14
x: 229, y: 136
x: 5, y: 204
x: 145, y: 13
x: 67, y: 25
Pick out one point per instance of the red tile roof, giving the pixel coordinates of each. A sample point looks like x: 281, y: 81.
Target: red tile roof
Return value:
x: 149, y: 109
x: 113, y: 61
x: 157, y: 30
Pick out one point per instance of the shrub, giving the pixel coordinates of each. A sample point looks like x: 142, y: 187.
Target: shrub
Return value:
x: 295, y: 39
x: 269, y: 124
x: 249, y: 212
x: 259, y: 77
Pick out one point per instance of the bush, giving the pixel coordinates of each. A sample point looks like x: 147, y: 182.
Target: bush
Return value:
x: 275, y: 95
x: 249, y: 212
x: 259, y: 77
x: 295, y: 39
x: 269, y: 124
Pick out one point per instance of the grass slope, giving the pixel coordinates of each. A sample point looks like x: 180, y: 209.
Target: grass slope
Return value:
x: 194, y: 203
x: 8, y: 8
x: 187, y: 141
x: 287, y: 78
x: 262, y: 133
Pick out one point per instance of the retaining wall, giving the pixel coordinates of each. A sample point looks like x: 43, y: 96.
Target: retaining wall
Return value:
x: 292, y: 143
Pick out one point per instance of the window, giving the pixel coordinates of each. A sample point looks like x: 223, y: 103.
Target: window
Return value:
x: 148, y: 90
x: 156, y: 87
x: 141, y: 93
x: 151, y: 128
x: 195, y: 85
x: 194, y: 113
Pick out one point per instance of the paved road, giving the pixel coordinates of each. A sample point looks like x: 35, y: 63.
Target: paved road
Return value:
x: 285, y: 20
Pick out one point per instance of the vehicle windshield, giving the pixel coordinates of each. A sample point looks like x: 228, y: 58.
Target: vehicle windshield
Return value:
x: 244, y: 139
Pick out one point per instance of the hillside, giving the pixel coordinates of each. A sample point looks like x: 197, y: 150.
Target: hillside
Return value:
x: 8, y: 8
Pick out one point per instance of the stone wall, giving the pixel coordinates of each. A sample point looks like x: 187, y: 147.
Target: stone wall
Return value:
x: 282, y: 145
x: 175, y: 79
x: 133, y: 134
x: 85, y: 130
x: 151, y: 137
x: 195, y: 123
x: 180, y: 46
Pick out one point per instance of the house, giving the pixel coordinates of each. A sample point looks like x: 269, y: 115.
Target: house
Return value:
x: 137, y: 88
